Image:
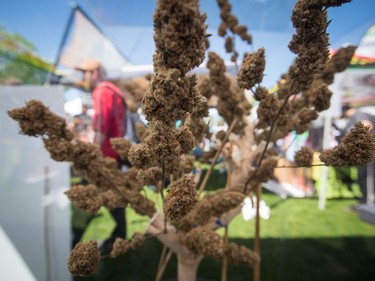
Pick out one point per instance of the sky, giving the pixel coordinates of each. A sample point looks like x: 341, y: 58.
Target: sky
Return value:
x: 129, y: 24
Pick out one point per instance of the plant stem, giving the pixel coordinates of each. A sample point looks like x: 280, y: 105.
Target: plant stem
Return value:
x: 224, y: 267
x: 163, y: 266
x: 257, y: 234
x: 312, y: 165
x: 162, y: 257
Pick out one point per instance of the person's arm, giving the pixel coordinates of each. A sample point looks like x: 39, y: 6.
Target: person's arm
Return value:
x: 99, y: 138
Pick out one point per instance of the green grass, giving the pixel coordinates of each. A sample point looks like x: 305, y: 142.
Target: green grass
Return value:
x: 298, y: 242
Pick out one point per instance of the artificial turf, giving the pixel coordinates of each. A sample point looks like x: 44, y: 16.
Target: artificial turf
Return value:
x: 298, y: 242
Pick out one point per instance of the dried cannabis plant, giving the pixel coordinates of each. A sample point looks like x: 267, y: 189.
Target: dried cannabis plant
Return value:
x: 188, y: 224
x: 355, y: 149
x: 84, y: 259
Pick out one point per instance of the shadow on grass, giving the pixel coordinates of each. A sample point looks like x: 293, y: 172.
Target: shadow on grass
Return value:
x: 342, y: 258
x: 216, y: 180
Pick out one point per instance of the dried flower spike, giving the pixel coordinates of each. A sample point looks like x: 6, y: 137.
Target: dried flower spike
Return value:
x: 356, y: 148
x: 181, y: 199
x: 251, y: 72
x: 120, y: 247
x: 84, y: 259
x: 84, y: 197
x: 240, y: 255
x: 137, y: 240
x: 205, y: 242
x: 180, y: 34
x: 121, y: 146
x: 304, y: 157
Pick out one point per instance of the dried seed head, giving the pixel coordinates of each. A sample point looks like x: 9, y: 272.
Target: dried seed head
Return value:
x: 229, y: 44
x: 150, y: 176
x: 120, y: 247
x: 111, y: 200
x: 205, y: 87
x: 216, y: 66
x: 197, y: 126
x: 230, y: 21
x: 142, y: 205
x: 59, y: 149
x: 304, y: 157
x: 121, y: 146
x: 200, y: 106
x: 84, y: 259
x: 185, y: 139
x: 260, y: 93
x: 251, y: 72
x: 319, y: 96
x: 234, y: 57
x: 162, y: 142
x: 310, y: 42
x: 181, y: 199
x: 338, y: 63
x: 240, y: 255
x: 171, y: 96
x: 35, y: 119
x: 139, y: 156
x: 212, y: 205
x: 265, y: 171
x: 180, y: 34
x: 204, y: 242
x: 141, y: 131
x: 131, y: 181
x: 355, y: 149
x: 137, y: 240
x: 84, y: 197
x: 222, y: 31
x: 341, y: 59
x: 268, y: 108
x: 307, y: 115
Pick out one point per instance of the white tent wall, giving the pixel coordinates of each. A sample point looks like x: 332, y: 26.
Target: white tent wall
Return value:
x: 88, y: 42
x: 38, y: 224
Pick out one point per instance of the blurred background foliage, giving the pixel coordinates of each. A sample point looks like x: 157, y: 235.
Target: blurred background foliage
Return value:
x: 19, y: 61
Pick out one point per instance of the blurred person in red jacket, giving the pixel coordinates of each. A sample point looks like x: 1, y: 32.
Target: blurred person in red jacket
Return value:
x: 109, y: 121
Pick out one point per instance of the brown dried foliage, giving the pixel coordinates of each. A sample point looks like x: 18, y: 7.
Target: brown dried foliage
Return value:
x: 251, y: 72
x: 87, y: 160
x: 180, y: 34
x: 230, y: 22
x: 240, y: 255
x: 203, y: 241
x: 84, y: 259
x: 121, y: 146
x: 141, y: 131
x: 35, y: 119
x: 304, y: 157
x: 84, y: 197
x: 170, y: 97
x: 150, y: 176
x: 355, y: 149
x: 137, y: 240
x: 212, y: 205
x: 120, y: 247
x: 232, y: 102
x: 181, y: 199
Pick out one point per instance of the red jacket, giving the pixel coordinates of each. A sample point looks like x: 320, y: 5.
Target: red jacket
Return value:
x: 109, y: 115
